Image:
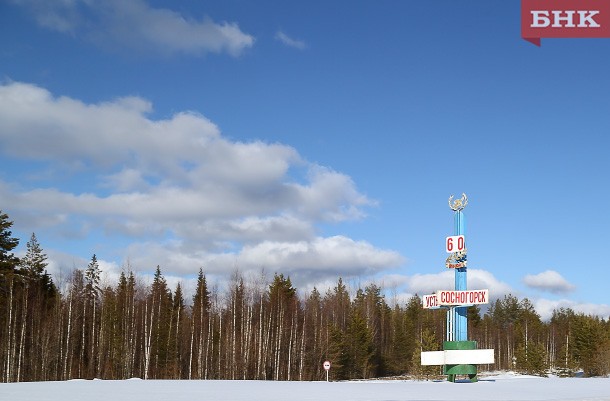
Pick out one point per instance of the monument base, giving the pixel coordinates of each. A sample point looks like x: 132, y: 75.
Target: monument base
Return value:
x: 462, y: 369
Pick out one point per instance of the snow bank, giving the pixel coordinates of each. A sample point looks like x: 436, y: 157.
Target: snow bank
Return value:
x: 497, y: 387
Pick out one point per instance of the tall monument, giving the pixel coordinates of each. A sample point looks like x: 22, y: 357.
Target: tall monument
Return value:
x: 459, y: 314
x: 459, y: 356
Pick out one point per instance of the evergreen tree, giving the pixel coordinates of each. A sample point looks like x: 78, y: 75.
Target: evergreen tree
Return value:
x: 177, y: 357
x: 159, y: 319
x: 474, y: 316
x: 11, y: 285
x: 401, y: 349
x: 427, y: 342
x: 35, y: 300
x: 126, y: 304
x: 33, y: 267
x: 378, y: 323
x: 283, y: 305
x: 201, y: 299
x: 337, y: 305
x: 504, y: 314
x: 91, y: 332
x: 109, y: 340
x: 8, y: 260
x: 562, y: 341
x: 34, y: 262
x: 92, y: 279
x: 530, y: 355
x: 590, y: 345
x: 338, y: 355
x: 314, y: 331
x: 200, y: 330
x: 536, y: 362
x: 414, y: 313
x: 359, y: 343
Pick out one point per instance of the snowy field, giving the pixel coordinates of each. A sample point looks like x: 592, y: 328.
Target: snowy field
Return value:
x: 498, y: 387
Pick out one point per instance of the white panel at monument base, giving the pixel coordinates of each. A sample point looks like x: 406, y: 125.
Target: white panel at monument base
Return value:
x: 470, y: 356
x: 458, y: 357
x: 433, y: 358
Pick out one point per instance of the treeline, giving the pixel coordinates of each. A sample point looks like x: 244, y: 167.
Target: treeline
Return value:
x: 256, y: 329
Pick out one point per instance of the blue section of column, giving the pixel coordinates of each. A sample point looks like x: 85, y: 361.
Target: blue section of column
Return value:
x: 461, y: 313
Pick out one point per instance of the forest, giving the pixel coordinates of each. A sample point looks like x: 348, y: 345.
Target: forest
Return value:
x: 257, y: 328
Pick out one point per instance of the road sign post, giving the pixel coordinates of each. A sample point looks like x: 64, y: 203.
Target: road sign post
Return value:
x: 326, y: 366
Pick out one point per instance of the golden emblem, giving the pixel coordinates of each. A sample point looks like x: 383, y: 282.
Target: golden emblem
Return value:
x: 458, y: 204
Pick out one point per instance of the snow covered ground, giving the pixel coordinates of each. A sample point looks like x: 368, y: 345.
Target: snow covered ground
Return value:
x: 498, y: 387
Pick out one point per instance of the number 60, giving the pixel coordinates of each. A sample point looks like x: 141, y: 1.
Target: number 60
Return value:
x: 455, y: 243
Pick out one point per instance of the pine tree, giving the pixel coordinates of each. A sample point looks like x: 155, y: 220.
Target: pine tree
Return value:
x: 359, y: 343
x: 90, y: 329
x: 283, y: 305
x: 35, y: 294
x: 126, y: 304
x: 34, y: 268
x: 10, y: 285
x: 8, y: 260
x: 109, y: 340
x: 34, y: 262
x: 159, y: 308
x: 562, y: 341
x: 426, y: 342
x: 176, y: 357
x: 414, y: 314
x: 201, y: 333
x: 401, y: 351
x: 92, y: 279
x: 590, y: 344
x: 474, y: 317
x: 314, y: 348
x: 337, y: 303
x: 338, y: 355
x: 372, y: 307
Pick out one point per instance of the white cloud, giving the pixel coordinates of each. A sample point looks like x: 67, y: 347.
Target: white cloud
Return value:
x: 307, y: 262
x: 545, y: 308
x: 392, y: 281
x: 137, y: 25
x: 59, y: 15
x: 105, y: 134
x: 176, y: 191
x: 290, y: 42
x: 423, y: 284
x: 339, y: 254
x: 200, y: 173
x: 549, y: 280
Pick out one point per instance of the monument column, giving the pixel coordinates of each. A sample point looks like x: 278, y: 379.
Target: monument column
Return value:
x: 460, y: 313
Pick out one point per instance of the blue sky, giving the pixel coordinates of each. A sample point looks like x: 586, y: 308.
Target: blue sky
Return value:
x: 313, y: 139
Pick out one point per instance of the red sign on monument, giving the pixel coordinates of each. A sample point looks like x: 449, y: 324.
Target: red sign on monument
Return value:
x: 564, y: 19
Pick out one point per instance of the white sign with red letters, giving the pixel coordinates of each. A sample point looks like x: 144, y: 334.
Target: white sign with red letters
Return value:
x: 455, y: 243
x: 455, y: 298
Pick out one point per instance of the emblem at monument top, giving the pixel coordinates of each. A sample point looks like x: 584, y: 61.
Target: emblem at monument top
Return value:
x: 458, y: 204
x: 457, y: 258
